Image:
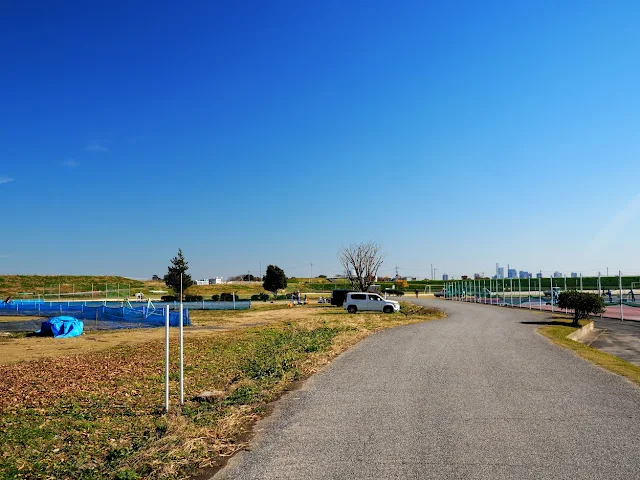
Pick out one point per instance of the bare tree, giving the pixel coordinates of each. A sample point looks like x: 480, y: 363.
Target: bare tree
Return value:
x: 361, y: 263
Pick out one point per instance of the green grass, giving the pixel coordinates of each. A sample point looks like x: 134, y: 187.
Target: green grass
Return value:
x: 48, y: 284
x: 559, y: 329
x: 104, y: 418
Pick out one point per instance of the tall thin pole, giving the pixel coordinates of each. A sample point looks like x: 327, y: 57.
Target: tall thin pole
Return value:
x: 580, y: 283
x: 599, y: 285
x: 620, y: 284
x: 551, y: 286
x: 504, y: 297
x: 540, y: 290
x: 511, y: 291
x: 565, y: 288
x: 519, y: 292
x: 529, y: 291
x: 166, y: 358
x: 181, y: 347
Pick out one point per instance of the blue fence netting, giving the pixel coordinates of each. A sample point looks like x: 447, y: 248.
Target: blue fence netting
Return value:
x: 97, y: 317
x: 201, y: 305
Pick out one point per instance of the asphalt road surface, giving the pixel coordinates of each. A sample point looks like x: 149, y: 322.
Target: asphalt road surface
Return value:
x: 477, y: 395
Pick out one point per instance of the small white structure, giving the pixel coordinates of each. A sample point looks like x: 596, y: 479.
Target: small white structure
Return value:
x: 215, y: 281
x: 202, y: 282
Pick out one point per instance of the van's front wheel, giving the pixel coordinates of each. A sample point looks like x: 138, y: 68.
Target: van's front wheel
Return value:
x: 352, y: 309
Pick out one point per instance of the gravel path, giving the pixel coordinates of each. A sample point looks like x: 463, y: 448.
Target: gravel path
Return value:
x: 477, y: 395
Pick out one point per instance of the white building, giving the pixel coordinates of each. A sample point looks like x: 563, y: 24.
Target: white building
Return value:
x: 216, y: 281
x: 202, y: 282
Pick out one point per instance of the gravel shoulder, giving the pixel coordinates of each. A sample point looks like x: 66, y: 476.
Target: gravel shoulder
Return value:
x: 477, y: 395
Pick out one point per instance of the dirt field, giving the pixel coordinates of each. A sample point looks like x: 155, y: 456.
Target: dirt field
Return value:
x: 204, y: 322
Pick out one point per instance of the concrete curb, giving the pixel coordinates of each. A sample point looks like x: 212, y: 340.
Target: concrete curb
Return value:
x: 581, y: 332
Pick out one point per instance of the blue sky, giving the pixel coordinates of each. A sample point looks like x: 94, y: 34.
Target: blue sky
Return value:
x: 249, y: 133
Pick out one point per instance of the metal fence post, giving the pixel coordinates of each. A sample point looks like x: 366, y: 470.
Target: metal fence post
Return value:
x: 620, y: 283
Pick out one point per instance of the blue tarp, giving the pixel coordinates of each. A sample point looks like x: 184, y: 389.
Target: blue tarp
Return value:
x: 61, y: 327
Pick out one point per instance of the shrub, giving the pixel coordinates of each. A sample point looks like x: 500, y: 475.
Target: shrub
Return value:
x: 583, y: 304
x: 263, y: 297
x: 193, y: 298
x: 228, y: 297
x: 215, y: 298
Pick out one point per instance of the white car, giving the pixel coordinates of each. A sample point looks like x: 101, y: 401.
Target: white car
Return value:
x: 361, y: 301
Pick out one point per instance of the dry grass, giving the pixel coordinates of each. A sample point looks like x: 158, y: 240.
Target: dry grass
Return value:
x: 204, y: 322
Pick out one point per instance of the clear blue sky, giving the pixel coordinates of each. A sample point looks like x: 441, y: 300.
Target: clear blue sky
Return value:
x: 246, y: 133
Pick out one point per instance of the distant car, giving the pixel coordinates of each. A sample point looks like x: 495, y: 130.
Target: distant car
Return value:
x: 362, y: 302
x: 441, y: 293
x: 393, y: 291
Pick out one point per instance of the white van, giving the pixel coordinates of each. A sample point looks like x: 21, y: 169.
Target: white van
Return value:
x: 361, y: 301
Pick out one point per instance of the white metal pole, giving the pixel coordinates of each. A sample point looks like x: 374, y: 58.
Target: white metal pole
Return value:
x: 565, y: 288
x: 529, y: 291
x: 166, y: 359
x: 599, y: 284
x: 504, y: 297
x: 540, y: 291
x: 620, y: 284
x: 519, y: 292
x: 580, y: 283
x: 181, y: 347
x: 511, y: 291
x: 551, y: 286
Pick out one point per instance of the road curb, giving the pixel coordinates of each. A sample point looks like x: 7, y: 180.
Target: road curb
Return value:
x: 581, y: 332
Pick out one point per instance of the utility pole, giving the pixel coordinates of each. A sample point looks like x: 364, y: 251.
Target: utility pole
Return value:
x: 311, y: 277
x: 397, y: 272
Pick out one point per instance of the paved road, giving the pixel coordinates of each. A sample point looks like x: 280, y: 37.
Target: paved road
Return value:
x: 621, y: 339
x: 477, y: 395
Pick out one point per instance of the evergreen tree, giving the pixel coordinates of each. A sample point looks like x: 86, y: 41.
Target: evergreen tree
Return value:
x: 274, y: 280
x: 178, y: 266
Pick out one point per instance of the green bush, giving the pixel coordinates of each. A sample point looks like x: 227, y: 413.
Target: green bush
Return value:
x: 225, y: 297
x: 262, y: 297
x: 193, y: 298
x: 583, y: 304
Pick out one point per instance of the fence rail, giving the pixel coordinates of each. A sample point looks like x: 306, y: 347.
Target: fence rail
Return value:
x: 618, y: 293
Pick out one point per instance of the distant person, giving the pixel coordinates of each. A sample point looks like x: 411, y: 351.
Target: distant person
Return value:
x: 305, y: 299
x: 610, y: 296
x: 416, y: 293
x: 632, y: 295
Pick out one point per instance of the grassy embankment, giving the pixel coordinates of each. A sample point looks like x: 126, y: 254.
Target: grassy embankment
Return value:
x: 557, y: 332
x: 112, y: 287
x: 100, y: 414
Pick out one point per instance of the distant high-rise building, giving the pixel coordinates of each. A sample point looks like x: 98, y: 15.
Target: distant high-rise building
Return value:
x: 500, y: 272
x: 557, y: 275
x: 524, y: 274
x: 538, y: 275
x: 445, y: 277
x: 512, y: 273
x: 574, y: 275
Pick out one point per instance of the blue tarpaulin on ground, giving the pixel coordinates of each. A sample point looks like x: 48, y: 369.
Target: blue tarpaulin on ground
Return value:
x: 62, y: 327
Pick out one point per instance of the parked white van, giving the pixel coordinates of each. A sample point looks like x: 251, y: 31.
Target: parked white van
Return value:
x: 361, y: 301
